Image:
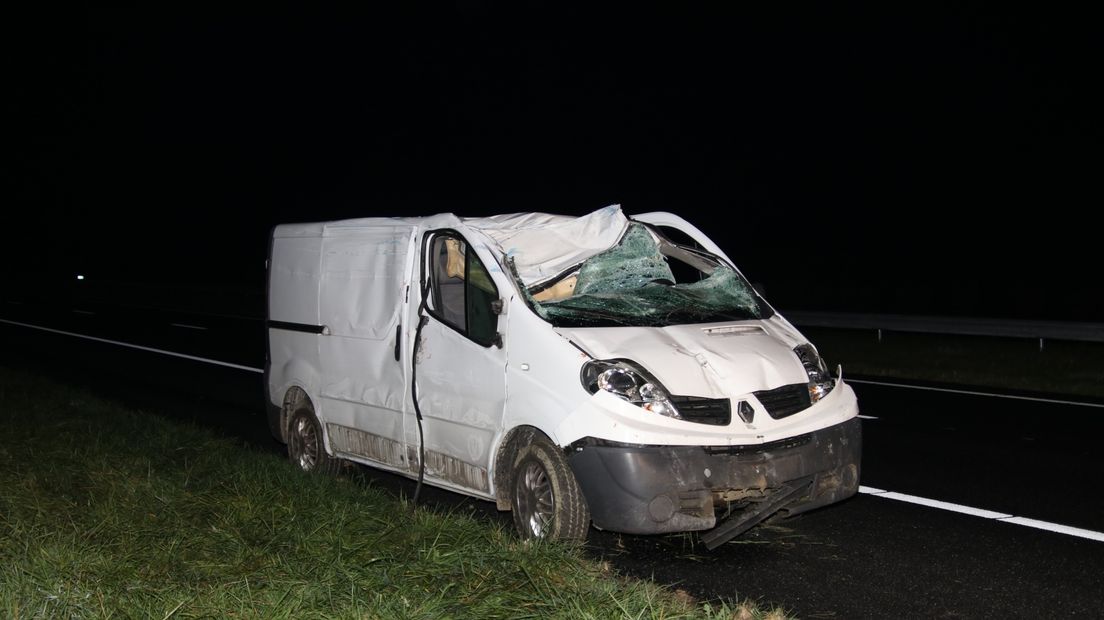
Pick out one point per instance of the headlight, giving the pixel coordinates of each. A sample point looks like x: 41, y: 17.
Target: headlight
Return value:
x: 630, y: 383
x: 820, y: 381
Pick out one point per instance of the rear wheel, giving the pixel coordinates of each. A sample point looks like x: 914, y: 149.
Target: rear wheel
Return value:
x: 306, y: 447
x: 547, y: 501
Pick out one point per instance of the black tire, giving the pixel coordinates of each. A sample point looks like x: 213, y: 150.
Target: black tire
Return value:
x: 306, y: 447
x: 547, y: 502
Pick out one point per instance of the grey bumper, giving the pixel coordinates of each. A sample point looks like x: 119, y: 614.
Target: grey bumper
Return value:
x: 656, y: 489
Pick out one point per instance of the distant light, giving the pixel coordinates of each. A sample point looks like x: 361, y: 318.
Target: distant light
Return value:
x: 80, y: 277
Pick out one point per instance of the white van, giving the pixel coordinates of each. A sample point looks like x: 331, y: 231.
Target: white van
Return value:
x: 601, y: 369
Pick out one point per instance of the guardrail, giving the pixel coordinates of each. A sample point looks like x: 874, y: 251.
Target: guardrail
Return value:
x: 962, y: 326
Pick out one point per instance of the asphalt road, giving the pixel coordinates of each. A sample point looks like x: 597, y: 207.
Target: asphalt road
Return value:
x: 869, y: 557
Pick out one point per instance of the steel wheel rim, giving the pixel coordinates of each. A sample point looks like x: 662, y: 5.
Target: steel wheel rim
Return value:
x: 306, y: 443
x: 535, y: 501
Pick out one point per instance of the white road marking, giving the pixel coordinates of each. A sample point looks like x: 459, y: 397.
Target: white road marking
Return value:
x: 974, y: 393
x: 1054, y: 527
x: 867, y: 417
x: 934, y: 503
x: 186, y: 326
x: 83, y: 312
x: 135, y: 346
x: 985, y: 514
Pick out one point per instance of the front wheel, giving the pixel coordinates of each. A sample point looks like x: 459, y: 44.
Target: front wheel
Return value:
x: 305, y: 445
x: 547, y: 500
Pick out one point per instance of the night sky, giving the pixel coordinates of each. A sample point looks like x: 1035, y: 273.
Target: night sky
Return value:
x: 869, y: 159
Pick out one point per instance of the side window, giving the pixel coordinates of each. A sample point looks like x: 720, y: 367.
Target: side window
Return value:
x: 461, y: 289
x: 447, y: 270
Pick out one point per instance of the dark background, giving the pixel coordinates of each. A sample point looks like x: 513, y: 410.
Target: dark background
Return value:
x: 936, y: 160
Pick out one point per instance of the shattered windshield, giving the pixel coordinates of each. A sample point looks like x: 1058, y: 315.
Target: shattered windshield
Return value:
x: 646, y: 280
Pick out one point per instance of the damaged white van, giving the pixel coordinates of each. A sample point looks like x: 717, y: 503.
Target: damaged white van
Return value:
x: 601, y: 369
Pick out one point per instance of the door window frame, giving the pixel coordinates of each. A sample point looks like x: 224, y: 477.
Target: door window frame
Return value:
x: 431, y: 287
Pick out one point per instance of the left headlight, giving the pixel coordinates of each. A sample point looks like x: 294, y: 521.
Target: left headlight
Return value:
x: 820, y: 380
x: 628, y: 382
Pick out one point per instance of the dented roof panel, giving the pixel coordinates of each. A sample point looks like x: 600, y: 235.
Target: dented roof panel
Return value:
x: 542, y: 246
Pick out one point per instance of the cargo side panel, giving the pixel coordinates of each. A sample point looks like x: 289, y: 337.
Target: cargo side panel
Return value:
x: 365, y: 275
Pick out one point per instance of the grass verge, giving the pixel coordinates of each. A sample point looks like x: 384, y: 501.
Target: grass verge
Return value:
x: 114, y: 513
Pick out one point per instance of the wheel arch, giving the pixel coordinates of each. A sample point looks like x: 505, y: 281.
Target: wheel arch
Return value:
x: 295, y: 396
x: 294, y: 373
x: 507, y: 452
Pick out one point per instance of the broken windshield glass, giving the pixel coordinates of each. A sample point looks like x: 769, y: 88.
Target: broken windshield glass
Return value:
x: 633, y: 283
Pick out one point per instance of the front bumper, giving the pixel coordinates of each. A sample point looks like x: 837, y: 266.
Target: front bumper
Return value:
x: 657, y: 489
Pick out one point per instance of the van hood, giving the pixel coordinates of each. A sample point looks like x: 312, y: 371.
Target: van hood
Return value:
x: 716, y: 360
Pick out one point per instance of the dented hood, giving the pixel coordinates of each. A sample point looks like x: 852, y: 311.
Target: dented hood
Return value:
x: 713, y: 360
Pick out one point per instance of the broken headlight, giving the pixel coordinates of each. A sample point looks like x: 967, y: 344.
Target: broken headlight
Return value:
x: 628, y: 382
x: 820, y: 380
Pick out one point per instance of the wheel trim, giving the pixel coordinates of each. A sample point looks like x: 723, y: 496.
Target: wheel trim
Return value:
x: 307, y: 443
x: 534, y: 499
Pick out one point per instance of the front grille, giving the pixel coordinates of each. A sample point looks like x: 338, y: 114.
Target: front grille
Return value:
x: 750, y: 449
x: 716, y: 411
x: 786, y: 400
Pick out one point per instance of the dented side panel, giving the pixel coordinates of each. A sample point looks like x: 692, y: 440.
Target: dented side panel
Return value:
x: 363, y: 283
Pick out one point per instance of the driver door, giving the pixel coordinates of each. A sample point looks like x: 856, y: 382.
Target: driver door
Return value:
x: 460, y: 365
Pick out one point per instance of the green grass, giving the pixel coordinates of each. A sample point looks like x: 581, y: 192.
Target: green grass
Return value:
x: 1061, y: 368
x: 113, y: 513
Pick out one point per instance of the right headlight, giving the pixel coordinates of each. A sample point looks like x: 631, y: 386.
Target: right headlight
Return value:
x: 630, y: 383
x: 820, y: 380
